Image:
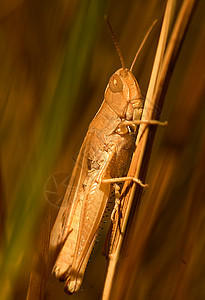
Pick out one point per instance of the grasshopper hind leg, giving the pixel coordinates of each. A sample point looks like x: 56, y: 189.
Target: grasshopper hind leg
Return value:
x: 117, y: 202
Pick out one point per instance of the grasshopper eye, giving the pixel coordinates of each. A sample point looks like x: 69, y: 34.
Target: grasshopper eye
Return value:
x: 115, y: 84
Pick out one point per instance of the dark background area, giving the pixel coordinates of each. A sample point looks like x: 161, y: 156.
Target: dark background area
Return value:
x: 56, y: 60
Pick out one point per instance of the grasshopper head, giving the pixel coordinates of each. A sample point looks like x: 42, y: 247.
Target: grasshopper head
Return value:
x: 123, y: 90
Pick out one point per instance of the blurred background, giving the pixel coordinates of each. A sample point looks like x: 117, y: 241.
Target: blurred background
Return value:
x: 56, y: 60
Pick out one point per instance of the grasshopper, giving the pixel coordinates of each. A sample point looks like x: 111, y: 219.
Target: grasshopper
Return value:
x: 102, y: 161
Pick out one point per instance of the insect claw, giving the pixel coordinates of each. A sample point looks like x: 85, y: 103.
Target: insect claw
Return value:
x: 144, y: 185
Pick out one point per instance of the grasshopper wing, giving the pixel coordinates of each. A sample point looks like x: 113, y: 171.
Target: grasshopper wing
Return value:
x: 67, y: 221
x: 74, y: 231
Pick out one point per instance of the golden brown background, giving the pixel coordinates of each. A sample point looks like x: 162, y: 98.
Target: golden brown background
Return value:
x: 56, y: 59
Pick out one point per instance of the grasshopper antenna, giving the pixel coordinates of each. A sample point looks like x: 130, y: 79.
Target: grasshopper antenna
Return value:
x: 116, y: 43
x: 142, y: 44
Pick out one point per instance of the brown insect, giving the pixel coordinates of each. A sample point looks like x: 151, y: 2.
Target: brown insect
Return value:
x: 103, y: 160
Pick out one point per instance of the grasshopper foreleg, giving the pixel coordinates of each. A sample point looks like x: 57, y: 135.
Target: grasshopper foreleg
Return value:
x: 147, y: 122
x: 125, y: 124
